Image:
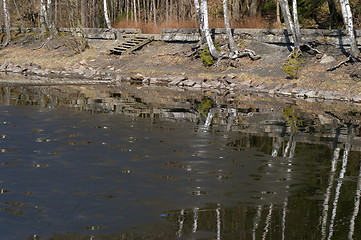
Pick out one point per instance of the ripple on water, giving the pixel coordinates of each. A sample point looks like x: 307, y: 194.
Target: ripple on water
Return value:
x: 4, y: 150
x: 37, y: 165
x: 4, y: 191
x: 93, y: 228
x: 42, y: 140
x: 14, y: 211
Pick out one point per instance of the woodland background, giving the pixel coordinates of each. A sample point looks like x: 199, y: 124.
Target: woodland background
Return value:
x: 153, y: 15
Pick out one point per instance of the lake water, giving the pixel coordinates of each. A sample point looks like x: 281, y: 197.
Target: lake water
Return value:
x: 88, y: 162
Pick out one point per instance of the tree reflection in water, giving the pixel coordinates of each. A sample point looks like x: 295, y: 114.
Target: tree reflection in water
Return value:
x: 295, y: 186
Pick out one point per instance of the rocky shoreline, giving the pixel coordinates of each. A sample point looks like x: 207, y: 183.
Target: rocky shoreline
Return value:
x: 33, y: 74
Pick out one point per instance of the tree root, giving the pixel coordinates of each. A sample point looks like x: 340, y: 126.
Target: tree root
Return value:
x: 41, y: 45
x: 245, y: 53
x: 307, y: 47
x: 350, y: 59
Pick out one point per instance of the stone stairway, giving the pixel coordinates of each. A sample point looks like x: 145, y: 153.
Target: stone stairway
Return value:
x: 131, y: 44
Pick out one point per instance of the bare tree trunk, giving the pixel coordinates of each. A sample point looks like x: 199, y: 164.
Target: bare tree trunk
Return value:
x: 235, y: 7
x: 347, y: 18
x: 297, y: 36
x: 43, y: 16
x: 6, y: 23
x: 200, y: 21
x: 253, y: 7
x: 83, y: 14
x: 106, y: 15
x: 278, y: 12
x: 207, y: 32
x: 135, y: 11
x: 154, y: 12
x: 51, y: 23
x: 332, y: 9
x: 289, y: 23
x: 227, y: 24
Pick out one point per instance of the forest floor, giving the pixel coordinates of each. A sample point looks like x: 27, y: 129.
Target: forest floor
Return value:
x: 160, y: 59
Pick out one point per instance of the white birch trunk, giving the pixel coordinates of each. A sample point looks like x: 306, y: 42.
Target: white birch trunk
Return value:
x: 207, y: 33
x: 297, y: 36
x: 347, y: 18
x: 6, y: 22
x: 134, y: 10
x: 106, y: 15
x: 50, y: 18
x: 43, y: 15
x: 200, y: 21
x: 227, y: 24
x: 288, y: 20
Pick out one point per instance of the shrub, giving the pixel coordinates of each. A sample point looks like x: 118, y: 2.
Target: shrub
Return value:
x: 206, y: 57
x: 293, y: 65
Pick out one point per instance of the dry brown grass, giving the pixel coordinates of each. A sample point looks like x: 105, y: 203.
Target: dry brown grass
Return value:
x: 44, y: 57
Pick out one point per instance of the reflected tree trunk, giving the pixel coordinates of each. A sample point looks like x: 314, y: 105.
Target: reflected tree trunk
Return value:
x: 195, y: 219
x: 256, y: 222
x: 336, y: 155
x: 231, y: 116
x: 210, y: 117
x: 218, y: 215
x: 338, y: 188
x: 284, y: 214
x: 276, y: 146
x: 268, y: 222
x: 356, y: 207
x: 181, y: 223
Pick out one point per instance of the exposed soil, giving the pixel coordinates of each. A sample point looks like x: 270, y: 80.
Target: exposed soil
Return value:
x: 160, y: 59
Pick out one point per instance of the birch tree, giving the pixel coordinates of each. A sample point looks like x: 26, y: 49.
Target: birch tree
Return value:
x: 6, y: 15
x: 46, y: 15
x: 203, y: 19
x: 347, y: 18
x: 290, y: 23
x: 227, y: 24
x: 106, y: 15
x: 43, y: 17
x: 297, y: 36
x: 200, y: 20
x: 51, y: 17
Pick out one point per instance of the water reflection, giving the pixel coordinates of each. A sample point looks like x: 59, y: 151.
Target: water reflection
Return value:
x: 230, y: 167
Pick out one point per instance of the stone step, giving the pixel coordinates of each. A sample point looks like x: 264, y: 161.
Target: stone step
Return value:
x: 130, y: 45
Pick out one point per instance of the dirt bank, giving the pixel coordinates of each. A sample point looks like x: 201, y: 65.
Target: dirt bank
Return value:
x: 168, y: 64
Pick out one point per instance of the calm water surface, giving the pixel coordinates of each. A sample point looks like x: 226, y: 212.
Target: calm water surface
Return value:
x: 112, y: 165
